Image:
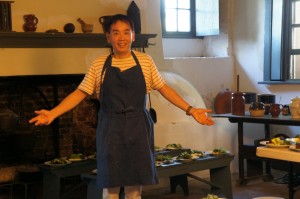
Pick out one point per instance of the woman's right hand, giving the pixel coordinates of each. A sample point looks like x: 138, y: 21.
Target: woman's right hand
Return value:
x: 43, y: 118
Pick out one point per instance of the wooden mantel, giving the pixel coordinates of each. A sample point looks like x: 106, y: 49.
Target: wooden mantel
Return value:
x: 63, y: 40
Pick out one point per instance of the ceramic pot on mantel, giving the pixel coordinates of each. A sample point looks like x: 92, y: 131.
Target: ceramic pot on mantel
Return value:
x: 31, y: 22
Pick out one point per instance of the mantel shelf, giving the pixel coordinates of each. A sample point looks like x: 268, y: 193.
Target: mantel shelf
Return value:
x: 63, y: 40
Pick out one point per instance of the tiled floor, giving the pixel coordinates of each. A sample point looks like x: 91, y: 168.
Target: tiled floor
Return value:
x: 254, y: 188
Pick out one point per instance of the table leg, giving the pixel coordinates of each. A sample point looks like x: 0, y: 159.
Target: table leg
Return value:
x: 240, y: 155
x: 291, y: 181
x: 222, y: 178
x: 51, y: 186
x: 268, y: 177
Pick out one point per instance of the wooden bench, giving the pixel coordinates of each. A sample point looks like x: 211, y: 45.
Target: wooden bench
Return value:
x: 219, y: 167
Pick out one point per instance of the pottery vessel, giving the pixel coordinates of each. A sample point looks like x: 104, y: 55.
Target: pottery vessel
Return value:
x: 31, y: 22
x: 257, y: 109
x: 285, y: 109
x: 238, y: 103
x: 222, y: 102
x: 295, y: 107
x: 275, y: 109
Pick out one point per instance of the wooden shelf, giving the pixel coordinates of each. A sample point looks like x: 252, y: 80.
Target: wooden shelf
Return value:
x: 63, y: 40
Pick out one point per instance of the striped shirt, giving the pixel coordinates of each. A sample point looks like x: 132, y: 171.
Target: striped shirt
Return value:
x: 91, y: 82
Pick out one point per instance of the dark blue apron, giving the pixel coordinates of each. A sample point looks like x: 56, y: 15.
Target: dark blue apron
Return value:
x: 125, y: 142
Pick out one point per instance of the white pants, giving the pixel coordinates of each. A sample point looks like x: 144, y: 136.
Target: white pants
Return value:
x: 131, y: 192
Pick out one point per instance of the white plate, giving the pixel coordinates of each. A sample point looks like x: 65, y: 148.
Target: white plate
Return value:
x: 266, y: 143
x: 293, y: 148
x: 56, y: 165
x: 217, y: 154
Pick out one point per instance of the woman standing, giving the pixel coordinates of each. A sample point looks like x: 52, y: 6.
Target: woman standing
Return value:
x: 125, y: 143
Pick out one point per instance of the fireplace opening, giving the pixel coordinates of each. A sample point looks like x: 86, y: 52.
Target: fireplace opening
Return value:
x: 23, y: 145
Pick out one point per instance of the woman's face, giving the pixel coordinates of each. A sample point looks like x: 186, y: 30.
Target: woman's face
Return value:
x: 120, y: 37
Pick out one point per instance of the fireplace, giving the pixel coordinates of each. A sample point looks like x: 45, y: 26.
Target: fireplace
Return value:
x: 22, y: 143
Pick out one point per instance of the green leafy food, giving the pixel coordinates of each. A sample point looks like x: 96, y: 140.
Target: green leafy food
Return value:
x: 58, y: 161
x: 174, y: 146
x: 211, y: 196
x: 163, y: 157
x: 184, y: 155
x: 219, y: 151
x: 77, y: 156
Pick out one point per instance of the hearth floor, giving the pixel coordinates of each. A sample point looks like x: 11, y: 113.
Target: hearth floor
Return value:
x: 254, y: 188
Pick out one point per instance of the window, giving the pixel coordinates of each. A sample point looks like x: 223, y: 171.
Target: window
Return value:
x: 282, y: 41
x: 189, y: 18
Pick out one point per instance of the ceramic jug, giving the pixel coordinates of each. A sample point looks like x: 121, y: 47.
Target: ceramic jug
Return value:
x: 295, y: 107
x: 222, y: 102
x: 238, y: 103
x: 275, y: 109
x: 103, y: 20
x: 30, y: 23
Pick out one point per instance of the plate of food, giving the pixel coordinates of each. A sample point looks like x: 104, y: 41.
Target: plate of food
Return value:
x: 212, y: 196
x: 185, y: 157
x: 92, y: 156
x: 76, y: 157
x: 165, y: 159
x: 157, y: 149
x: 275, y: 144
x: 218, y: 152
x: 197, y: 154
x: 173, y: 146
x: 294, y: 148
x: 58, y: 162
x: 158, y: 163
x: 293, y: 140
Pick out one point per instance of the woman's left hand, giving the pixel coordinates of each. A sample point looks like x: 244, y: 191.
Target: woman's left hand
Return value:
x: 200, y: 115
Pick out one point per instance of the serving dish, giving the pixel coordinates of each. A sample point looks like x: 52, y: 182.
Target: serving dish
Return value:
x: 268, y: 144
x: 57, y: 162
x: 293, y: 148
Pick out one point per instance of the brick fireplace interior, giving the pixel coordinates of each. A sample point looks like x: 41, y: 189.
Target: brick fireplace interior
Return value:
x: 23, y: 144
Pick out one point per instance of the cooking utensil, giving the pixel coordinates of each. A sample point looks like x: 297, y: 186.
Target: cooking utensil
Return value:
x: 86, y: 28
x: 152, y: 111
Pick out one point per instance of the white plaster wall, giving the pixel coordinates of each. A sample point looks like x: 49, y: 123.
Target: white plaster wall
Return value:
x: 248, y: 51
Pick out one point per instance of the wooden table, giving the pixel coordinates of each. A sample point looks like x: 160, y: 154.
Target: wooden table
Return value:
x: 247, y: 151
x: 52, y: 176
x: 220, y: 175
x: 284, y: 154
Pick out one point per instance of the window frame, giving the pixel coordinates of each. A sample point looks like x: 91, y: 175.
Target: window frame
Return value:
x: 190, y: 34
x: 278, y: 42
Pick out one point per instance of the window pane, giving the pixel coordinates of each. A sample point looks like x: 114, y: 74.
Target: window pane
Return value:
x: 170, y: 4
x: 295, y: 14
x: 184, y: 21
x: 207, y: 17
x: 171, y: 20
x: 295, y: 67
x: 185, y: 4
x: 296, y: 38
